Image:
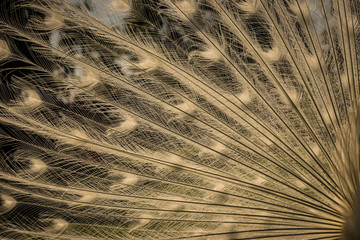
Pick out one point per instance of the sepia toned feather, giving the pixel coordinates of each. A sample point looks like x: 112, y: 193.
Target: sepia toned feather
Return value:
x: 180, y: 119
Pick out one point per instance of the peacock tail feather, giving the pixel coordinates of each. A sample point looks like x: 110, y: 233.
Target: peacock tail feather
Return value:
x: 180, y: 119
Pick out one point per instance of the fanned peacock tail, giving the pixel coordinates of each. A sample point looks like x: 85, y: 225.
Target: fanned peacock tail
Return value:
x: 180, y: 119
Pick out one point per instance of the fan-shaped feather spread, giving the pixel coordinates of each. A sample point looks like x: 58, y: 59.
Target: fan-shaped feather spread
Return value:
x: 194, y: 119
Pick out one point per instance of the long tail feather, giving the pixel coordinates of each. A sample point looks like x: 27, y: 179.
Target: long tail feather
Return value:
x: 179, y: 119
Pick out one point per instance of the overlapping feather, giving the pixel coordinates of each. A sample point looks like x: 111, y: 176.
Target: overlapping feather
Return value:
x: 194, y: 119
